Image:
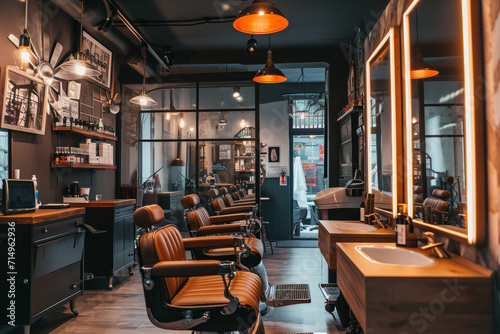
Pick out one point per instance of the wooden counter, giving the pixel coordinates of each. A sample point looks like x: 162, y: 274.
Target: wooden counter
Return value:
x: 104, y: 203
x: 40, y: 216
x: 453, y: 296
x: 329, y: 235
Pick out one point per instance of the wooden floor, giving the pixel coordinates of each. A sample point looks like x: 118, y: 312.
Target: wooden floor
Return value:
x: 122, y: 310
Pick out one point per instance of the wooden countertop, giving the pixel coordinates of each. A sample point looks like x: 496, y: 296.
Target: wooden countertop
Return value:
x: 104, y: 203
x: 331, y: 227
x: 41, y: 215
x: 454, y: 267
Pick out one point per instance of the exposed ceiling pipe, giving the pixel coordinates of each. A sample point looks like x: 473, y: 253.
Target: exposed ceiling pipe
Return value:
x: 94, y: 14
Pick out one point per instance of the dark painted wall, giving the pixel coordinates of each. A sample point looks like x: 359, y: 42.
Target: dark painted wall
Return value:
x: 277, y: 211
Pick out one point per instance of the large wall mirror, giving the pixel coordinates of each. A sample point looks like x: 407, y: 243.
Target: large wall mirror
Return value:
x: 383, y: 119
x: 443, y: 189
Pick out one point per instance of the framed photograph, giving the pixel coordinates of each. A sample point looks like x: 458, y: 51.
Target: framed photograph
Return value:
x: 224, y: 152
x: 24, y: 101
x: 274, y: 154
x: 100, y: 57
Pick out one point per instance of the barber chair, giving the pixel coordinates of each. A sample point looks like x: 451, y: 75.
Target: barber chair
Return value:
x: 237, y: 196
x: 435, y: 207
x: 230, y: 202
x: 417, y: 195
x: 196, y: 295
x: 218, y: 206
x: 243, y: 192
x: 299, y: 214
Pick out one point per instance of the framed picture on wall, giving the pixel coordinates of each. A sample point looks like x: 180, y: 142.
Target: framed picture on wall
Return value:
x: 100, y: 57
x: 24, y: 101
x: 274, y: 154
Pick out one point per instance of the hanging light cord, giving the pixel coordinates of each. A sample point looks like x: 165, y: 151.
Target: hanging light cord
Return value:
x: 144, y: 73
x: 26, y: 16
x: 81, y: 27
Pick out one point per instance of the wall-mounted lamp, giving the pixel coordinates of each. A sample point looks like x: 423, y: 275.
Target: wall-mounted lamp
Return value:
x: 260, y: 18
x: 251, y: 45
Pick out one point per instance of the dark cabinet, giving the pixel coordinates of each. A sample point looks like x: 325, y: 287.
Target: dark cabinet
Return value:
x: 44, y: 262
x: 349, y: 158
x: 111, y: 250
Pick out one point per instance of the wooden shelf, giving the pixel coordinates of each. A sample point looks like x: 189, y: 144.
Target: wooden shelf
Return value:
x: 81, y: 166
x: 244, y: 171
x: 243, y: 157
x: 86, y: 133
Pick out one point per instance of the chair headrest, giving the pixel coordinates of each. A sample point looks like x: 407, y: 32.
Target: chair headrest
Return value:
x: 417, y: 189
x: 190, y: 201
x: 223, y: 190
x: 440, y: 193
x: 233, y: 189
x: 213, y: 193
x: 238, y: 186
x: 148, y: 215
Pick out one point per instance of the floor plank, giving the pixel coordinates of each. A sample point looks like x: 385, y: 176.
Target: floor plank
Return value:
x: 122, y: 310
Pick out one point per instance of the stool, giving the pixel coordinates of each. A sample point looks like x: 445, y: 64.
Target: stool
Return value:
x: 264, y: 236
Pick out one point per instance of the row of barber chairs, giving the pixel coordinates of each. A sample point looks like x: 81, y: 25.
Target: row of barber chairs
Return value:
x: 224, y: 288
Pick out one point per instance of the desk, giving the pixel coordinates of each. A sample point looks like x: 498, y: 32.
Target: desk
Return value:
x: 47, y: 262
x: 108, y: 253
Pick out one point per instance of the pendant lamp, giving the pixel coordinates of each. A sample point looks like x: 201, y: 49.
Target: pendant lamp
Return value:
x: 143, y: 99
x: 80, y: 64
x: 269, y: 74
x: 260, y: 18
x: 419, y: 68
x: 22, y: 54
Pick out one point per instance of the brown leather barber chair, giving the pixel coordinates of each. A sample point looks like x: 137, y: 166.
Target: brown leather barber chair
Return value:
x: 237, y: 195
x: 181, y: 294
x: 243, y: 192
x: 435, y: 207
x: 229, y: 201
x: 220, y: 208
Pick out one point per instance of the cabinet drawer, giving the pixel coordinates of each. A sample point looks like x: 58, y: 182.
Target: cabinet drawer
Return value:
x: 55, y: 228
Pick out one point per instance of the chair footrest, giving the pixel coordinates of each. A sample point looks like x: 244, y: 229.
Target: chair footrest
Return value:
x: 331, y: 292
x: 288, y: 294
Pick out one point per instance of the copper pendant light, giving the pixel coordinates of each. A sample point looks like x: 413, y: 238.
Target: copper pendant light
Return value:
x: 260, y: 18
x: 269, y: 74
x: 420, y: 69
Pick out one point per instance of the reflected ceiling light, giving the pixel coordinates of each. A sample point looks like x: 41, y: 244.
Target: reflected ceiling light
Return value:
x: 236, y: 92
x: 239, y: 99
x: 22, y: 54
x: 243, y: 123
x: 181, y: 122
x: 269, y: 74
x: 167, y: 116
x: 251, y: 45
x: 260, y: 18
x: 420, y: 69
x: 80, y: 64
x: 414, y: 120
x: 143, y: 99
x: 191, y: 129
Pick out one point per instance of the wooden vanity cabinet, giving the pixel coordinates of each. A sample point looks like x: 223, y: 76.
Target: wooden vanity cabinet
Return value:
x: 45, y: 262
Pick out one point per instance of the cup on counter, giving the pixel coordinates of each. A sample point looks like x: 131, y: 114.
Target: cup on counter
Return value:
x: 17, y: 174
x: 98, y: 197
x: 85, y: 192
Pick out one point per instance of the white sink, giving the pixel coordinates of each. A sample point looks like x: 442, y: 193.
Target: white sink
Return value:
x: 354, y: 227
x: 394, y: 256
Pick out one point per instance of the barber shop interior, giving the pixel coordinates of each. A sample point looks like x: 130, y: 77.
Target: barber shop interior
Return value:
x: 250, y: 166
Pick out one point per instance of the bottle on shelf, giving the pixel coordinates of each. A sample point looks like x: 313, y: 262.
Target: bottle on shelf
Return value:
x: 401, y: 228
x: 362, y: 208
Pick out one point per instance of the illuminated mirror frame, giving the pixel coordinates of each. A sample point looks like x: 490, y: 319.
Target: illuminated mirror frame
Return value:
x: 474, y: 142
x: 392, y: 37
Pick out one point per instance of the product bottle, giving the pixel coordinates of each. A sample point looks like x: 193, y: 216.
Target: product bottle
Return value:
x: 33, y: 178
x: 401, y: 229
x: 362, y: 208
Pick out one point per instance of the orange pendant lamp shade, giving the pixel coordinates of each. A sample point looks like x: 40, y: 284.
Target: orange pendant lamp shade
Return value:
x: 269, y: 74
x: 420, y: 69
x: 260, y: 18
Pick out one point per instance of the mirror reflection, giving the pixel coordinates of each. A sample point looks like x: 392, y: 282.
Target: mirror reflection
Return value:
x: 437, y: 112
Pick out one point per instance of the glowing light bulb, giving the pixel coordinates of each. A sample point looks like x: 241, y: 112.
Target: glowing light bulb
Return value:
x: 80, y: 70
x: 261, y: 13
x: 168, y: 116
x: 22, y: 57
x: 181, y: 123
x: 143, y: 101
x: 191, y: 129
x: 302, y: 115
x: 243, y: 123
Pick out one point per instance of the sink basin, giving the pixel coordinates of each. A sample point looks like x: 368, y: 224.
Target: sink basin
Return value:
x: 394, y: 256
x: 354, y: 227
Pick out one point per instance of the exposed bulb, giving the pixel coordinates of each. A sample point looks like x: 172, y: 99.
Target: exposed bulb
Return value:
x: 239, y: 98
x: 168, y: 116
x: 191, y: 129
x: 22, y: 57
x: 302, y: 115
x: 143, y: 101
x: 181, y: 123
x: 243, y: 123
x: 236, y: 94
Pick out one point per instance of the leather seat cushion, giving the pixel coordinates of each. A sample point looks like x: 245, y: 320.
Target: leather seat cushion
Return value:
x: 209, y: 290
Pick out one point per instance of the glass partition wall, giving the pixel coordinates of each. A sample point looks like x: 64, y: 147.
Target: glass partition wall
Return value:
x: 198, y: 137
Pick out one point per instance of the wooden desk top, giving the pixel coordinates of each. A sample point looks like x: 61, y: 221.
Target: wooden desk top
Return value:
x: 333, y: 227
x: 41, y: 215
x: 104, y: 203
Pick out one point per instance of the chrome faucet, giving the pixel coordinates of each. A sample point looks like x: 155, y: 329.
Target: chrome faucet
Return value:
x: 437, y: 251
x: 378, y: 221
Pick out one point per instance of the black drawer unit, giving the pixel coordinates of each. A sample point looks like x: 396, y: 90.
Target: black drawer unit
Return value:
x: 47, y: 263
x: 112, y: 251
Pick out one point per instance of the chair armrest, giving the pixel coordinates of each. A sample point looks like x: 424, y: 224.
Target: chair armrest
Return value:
x: 219, y: 241
x: 225, y: 228
x: 244, y: 202
x: 227, y: 218
x: 186, y: 268
x: 236, y: 209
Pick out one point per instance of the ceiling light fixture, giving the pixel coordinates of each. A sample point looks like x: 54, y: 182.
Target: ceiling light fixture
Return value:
x: 80, y: 63
x: 236, y: 92
x: 260, y: 18
x: 22, y: 54
x: 143, y: 99
x: 251, y: 45
x: 419, y: 68
x: 269, y: 74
